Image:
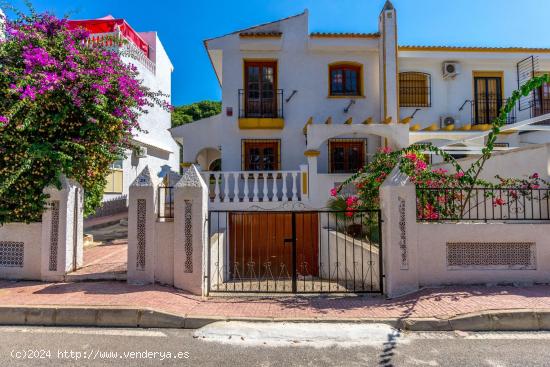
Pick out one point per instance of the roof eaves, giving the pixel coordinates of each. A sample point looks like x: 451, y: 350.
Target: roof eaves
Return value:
x: 256, y: 26
x: 473, y: 49
x: 344, y: 35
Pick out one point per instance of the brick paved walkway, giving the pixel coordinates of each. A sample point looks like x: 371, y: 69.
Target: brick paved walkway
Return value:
x: 106, y: 261
x: 442, y: 302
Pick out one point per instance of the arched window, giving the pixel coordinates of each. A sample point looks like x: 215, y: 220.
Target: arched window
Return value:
x: 345, y: 79
x: 414, y: 89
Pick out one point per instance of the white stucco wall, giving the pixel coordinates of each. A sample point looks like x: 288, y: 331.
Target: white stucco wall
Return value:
x: 31, y: 236
x: 447, y: 96
x: 432, y: 252
x: 416, y: 253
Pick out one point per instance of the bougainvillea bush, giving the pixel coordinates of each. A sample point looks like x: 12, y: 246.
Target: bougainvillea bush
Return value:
x: 65, y: 108
x: 440, y: 193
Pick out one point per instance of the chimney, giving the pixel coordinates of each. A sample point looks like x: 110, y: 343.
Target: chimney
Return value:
x: 388, y: 63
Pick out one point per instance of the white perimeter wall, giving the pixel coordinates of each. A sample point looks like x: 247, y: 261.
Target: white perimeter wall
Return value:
x: 31, y: 236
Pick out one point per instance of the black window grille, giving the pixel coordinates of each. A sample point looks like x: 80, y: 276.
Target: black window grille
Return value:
x: 415, y: 89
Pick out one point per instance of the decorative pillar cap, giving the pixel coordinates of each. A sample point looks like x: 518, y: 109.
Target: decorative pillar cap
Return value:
x: 312, y: 153
x: 191, y: 178
x: 143, y: 179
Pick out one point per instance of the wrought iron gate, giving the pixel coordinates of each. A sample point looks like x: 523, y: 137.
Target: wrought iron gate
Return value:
x: 294, y: 251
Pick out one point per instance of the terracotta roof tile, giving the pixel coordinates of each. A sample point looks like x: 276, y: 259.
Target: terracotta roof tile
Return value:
x: 344, y: 35
x: 269, y: 34
x: 472, y: 49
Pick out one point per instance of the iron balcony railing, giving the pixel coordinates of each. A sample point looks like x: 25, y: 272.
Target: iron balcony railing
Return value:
x: 486, y: 110
x: 483, y: 204
x: 267, y: 103
x: 539, y: 106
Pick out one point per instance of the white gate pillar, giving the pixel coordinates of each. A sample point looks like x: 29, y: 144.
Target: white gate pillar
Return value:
x: 399, y: 234
x: 190, y: 232
x: 312, y: 181
x: 62, y: 231
x: 141, y: 229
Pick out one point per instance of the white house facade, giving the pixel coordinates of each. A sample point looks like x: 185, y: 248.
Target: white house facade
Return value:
x: 328, y: 101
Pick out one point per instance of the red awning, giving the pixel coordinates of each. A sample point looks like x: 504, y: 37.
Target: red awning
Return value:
x: 108, y: 24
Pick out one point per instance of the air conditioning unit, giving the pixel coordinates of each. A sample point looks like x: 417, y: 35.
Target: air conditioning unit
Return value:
x: 451, y: 69
x: 448, y: 120
x: 140, y: 152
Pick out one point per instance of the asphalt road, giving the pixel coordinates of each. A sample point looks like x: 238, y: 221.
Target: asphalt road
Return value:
x: 38, y: 346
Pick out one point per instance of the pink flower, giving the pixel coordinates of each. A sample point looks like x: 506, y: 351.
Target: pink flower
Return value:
x: 420, y: 165
x: 410, y: 156
x: 385, y: 150
x: 535, y: 175
x: 459, y: 174
x: 498, y: 202
x: 351, y: 200
x: 349, y: 213
x: 333, y: 192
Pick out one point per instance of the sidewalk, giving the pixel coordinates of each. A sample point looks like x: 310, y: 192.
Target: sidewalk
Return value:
x: 442, y: 303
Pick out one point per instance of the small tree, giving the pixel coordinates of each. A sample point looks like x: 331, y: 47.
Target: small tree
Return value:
x: 65, y: 108
x: 195, y: 111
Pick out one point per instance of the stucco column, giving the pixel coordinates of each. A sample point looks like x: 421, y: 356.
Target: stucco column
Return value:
x: 141, y: 229
x: 62, y: 231
x: 313, y: 188
x: 399, y: 234
x: 190, y: 232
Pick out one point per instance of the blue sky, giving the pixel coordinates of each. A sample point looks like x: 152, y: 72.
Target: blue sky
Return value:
x: 183, y: 25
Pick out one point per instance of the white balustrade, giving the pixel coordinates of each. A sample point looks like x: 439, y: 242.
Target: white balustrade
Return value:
x: 118, y: 41
x: 253, y: 186
x: 226, y: 176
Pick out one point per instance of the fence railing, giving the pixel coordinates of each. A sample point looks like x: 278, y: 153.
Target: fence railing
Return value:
x: 110, y: 207
x: 267, y: 103
x: 486, y: 110
x: 165, y: 202
x: 253, y: 186
x: 483, y: 204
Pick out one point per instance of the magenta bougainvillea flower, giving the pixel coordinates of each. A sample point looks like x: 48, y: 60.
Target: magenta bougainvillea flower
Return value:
x: 65, y: 108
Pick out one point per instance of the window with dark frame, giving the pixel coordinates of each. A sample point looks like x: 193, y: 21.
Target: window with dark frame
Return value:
x: 414, y: 89
x: 345, y: 80
x: 260, y: 88
x: 261, y: 155
x: 487, y: 98
x: 346, y: 155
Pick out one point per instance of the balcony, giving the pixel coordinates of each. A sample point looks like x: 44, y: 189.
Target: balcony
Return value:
x: 261, y: 110
x: 485, y: 110
x: 123, y: 46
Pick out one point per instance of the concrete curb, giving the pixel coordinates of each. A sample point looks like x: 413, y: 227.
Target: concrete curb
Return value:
x: 128, y: 317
